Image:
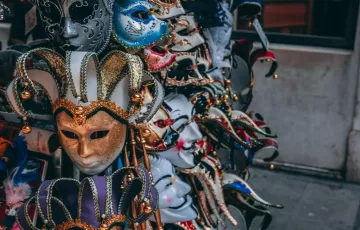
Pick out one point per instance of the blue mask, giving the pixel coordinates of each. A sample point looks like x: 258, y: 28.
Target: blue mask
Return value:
x: 135, y: 27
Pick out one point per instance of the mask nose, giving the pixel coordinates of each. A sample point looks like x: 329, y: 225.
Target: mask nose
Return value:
x: 195, y: 131
x: 84, y: 150
x: 69, y: 29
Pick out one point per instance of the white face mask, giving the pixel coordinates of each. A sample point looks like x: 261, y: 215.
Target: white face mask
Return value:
x: 174, y: 203
x: 183, y: 155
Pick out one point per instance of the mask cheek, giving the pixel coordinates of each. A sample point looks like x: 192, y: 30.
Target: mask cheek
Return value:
x: 167, y: 198
x: 113, y: 141
x: 70, y: 146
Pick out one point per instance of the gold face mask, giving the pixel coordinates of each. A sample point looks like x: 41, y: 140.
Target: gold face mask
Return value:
x: 94, y: 145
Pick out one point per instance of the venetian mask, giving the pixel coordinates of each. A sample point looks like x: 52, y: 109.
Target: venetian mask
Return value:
x: 184, y: 154
x: 77, y: 25
x: 157, y: 58
x: 174, y: 203
x: 185, y: 34
x: 168, y: 9
x: 134, y: 26
x: 91, y: 101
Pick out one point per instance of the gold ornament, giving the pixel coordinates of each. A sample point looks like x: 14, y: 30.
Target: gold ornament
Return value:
x: 226, y: 97
x: 146, y: 133
x: 147, y: 208
x: 272, y: 166
x: 79, y: 110
x: 26, y: 129
x: 136, y: 98
x: 276, y: 76
x: 235, y: 97
x: 227, y: 82
x: 217, y: 102
x: 25, y: 95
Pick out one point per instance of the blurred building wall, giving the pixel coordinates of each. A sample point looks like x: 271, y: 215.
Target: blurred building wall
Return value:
x: 312, y: 106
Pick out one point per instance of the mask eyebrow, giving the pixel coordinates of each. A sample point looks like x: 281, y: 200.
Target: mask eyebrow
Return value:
x: 161, y: 178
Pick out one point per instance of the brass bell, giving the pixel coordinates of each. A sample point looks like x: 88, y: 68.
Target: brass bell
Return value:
x: 79, y: 110
x: 146, y: 133
x: 227, y: 82
x: 227, y: 89
x: 26, y: 129
x: 226, y: 97
x: 25, y: 95
x: 272, y: 166
x: 104, y: 227
x: 129, y: 178
x: 235, y: 97
x: 276, y: 76
x: 147, y: 208
x: 194, y: 101
x: 136, y: 98
x: 268, y: 59
x: 217, y: 102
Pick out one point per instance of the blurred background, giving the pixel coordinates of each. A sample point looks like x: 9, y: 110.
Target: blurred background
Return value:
x: 313, y: 107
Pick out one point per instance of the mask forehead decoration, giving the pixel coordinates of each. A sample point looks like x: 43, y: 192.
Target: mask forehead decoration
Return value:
x: 174, y: 202
x: 91, y: 101
x: 77, y: 25
x: 135, y: 27
x: 185, y: 34
x: 168, y: 9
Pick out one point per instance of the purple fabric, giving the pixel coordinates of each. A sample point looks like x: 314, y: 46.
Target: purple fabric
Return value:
x: 22, y: 219
x: 42, y: 197
x: 88, y: 206
x: 70, y: 198
x: 100, y: 183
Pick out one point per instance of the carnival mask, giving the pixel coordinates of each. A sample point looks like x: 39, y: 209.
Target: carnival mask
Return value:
x: 185, y: 34
x: 92, y: 102
x: 77, y: 25
x: 134, y: 26
x: 184, y: 154
x: 174, y: 203
x: 187, y: 72
x: 168, y: 9
x: 157, y: 58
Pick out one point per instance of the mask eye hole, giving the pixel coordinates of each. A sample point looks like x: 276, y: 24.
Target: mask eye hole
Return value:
x: 99, y: 134
x: 69, y: 134
x: 140, y: 14
x: 79, y: 11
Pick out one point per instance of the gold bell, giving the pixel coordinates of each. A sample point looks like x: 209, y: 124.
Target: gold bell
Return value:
x: 227, y: 82
x: 227, y: 90
x: 217, y: 102
x: 272, y: 166
x: 129, y: 178
x: 226, y: 97
x: 276, y: 76
x: 250, y: 24
x: 136, y: 99
x: 235, y: 97
x: 147, y: 208
x: 79, y: 110
x: 26, y: 129
x: 223, y: 72
x: 194, y: 101
x: 104, y: 227
x: 267, y: 59
x: 146, y: 133
x: 25, y: 95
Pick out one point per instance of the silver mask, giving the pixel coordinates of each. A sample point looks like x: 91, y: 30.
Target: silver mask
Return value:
x: 77, y: 25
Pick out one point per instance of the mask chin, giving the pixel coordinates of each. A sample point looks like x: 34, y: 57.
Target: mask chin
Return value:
x: 135, y: 27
